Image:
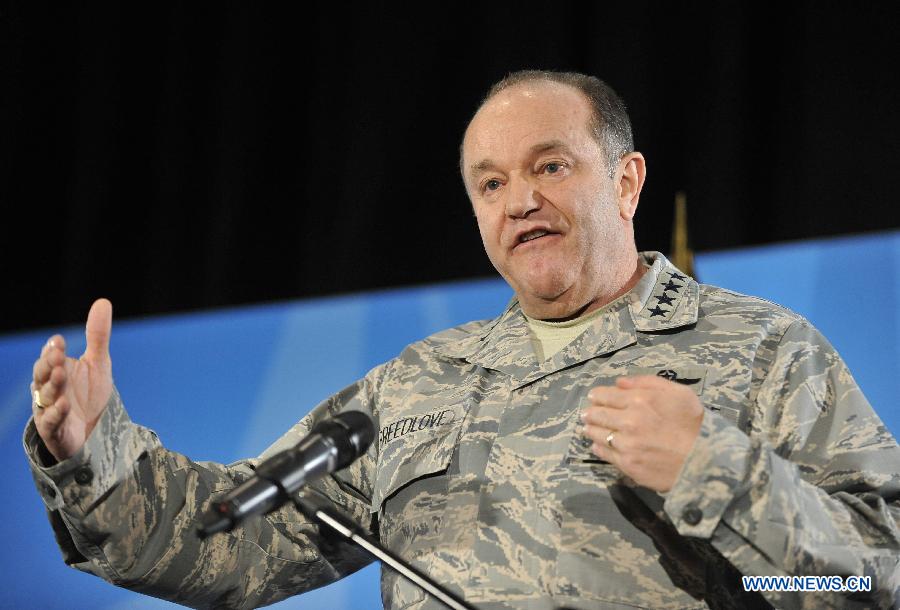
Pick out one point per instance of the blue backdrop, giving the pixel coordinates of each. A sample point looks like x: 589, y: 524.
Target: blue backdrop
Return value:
x: 223, y: 385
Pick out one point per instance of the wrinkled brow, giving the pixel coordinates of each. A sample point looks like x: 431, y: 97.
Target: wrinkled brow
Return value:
x: 487, y: 164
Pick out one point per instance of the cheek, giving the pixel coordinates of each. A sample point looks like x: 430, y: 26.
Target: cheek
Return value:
x: 600, y: 218
x: 490, y: 235
x: 488, y: 225
x: 484, y: 231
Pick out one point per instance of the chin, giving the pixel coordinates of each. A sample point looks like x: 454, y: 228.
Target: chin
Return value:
x: 546, y: 288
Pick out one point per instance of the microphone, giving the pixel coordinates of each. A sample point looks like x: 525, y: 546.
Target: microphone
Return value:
x: 331, y: 445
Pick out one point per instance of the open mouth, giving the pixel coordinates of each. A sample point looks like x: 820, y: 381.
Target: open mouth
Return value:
x: 533, y: 236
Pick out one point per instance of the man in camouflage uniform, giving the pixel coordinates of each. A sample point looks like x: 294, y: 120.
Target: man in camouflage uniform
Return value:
x: 686, y: 436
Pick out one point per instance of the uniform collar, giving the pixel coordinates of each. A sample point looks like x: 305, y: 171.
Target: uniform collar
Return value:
x: 664, y: 298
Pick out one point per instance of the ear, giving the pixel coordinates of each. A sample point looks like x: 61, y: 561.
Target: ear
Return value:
x: 629, y: 182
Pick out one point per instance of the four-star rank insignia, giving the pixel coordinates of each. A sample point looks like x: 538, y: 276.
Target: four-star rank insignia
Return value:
x: 667, y: 294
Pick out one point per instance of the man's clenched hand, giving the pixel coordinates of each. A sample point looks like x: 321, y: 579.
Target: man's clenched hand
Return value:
x: 653, y: 422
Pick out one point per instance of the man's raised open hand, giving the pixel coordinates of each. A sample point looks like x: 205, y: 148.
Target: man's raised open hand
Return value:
x: 73, y: 392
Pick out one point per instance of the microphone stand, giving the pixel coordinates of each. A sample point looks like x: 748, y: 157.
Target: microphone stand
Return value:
x: 321, y: 513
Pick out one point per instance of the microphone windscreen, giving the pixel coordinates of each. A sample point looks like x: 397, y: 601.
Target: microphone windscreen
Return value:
x: 361, y: 430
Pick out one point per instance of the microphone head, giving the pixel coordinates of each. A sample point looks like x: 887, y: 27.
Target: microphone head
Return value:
x: 360, y: 429
x: 349, y: 433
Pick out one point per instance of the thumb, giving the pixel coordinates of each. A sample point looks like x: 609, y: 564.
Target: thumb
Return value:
x: 98, y: 330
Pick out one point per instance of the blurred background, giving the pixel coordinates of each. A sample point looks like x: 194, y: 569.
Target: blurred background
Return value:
x: 177, y: 156
x: 270, y: 197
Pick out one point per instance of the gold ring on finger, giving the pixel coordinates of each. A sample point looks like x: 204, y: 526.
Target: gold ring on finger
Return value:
x: 37, y: 400
x: 609, y: 439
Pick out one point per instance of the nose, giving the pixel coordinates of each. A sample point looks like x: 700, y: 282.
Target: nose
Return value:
x: 522, y: 198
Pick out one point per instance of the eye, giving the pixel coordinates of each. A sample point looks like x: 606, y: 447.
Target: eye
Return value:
x: 491, y: 185
x: 553, y: 168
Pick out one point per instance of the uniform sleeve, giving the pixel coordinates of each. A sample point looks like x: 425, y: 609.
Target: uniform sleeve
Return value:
x: 813, y: 489
x: 126, y: 509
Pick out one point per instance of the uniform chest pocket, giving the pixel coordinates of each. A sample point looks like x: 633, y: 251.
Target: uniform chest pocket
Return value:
x: 411, y: 489
x: 415, y: 447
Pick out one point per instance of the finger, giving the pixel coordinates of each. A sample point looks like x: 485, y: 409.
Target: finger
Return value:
x: 601, y: 447
x: 55, y: 381
x: 595, y: 433
x: 614, y: 397
x: 45, y: 396
x: 34, y: 408
x: 38, y: 404
x: 607, y: 417
x: 41, y: 371
x: 601, y: 434
x: 98, y: 330
x: 58, y: 379
x: 53, y: 354
x: 53, y: 389
x: 55, y: 342
x: 49, y: 420
x: 605, y: 453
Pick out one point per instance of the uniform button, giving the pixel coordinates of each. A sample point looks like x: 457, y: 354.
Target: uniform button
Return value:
x: 84, y: 475
x: 692, y: 515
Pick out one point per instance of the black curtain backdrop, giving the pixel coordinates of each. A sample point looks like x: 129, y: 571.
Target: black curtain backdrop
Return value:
x: 186, y: 155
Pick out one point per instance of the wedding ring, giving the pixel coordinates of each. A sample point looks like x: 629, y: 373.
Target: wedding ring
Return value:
x: 37, y: 400
x: 609, y: 440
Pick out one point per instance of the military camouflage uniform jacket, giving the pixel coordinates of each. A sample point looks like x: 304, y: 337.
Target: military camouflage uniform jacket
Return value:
x: 480, y: 477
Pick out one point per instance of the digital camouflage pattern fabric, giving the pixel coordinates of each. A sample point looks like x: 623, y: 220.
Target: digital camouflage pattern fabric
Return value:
x: 480, y: 477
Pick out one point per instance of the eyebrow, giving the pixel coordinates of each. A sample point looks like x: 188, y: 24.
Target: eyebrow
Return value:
x: 539, y: 148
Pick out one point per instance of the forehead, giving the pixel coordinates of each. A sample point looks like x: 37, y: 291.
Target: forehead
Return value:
x: 525, y: 115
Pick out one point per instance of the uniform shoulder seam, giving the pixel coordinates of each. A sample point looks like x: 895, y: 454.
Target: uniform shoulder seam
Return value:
x: 724, y: 295
x: 456, y: 333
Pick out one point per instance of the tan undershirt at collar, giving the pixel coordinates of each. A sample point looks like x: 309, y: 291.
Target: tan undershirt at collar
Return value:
x: 550, y: 337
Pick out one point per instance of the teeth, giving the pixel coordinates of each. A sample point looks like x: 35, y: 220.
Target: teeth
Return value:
x: 532, y: 235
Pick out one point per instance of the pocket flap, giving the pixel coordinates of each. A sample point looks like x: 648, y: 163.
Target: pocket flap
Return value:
x: 414, y: 446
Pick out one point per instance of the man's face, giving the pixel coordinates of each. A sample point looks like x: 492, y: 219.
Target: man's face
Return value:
x: 546, y: 207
